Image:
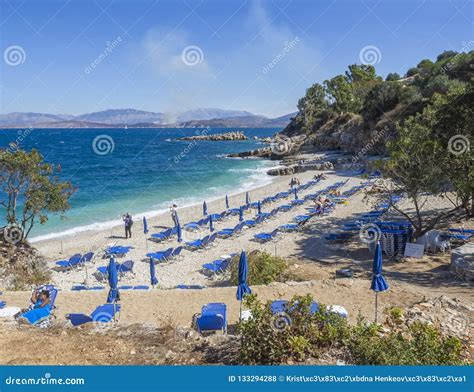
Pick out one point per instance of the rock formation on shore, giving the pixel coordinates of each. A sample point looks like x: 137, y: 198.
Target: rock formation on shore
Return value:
x: 218, y: 137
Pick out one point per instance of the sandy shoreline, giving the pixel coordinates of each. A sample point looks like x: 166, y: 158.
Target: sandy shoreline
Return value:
x: 187, y: 269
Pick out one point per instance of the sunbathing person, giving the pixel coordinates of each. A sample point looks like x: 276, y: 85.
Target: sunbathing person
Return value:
x: 41, y: 308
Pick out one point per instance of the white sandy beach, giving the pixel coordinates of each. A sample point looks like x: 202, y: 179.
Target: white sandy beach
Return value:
x: 187, y: 268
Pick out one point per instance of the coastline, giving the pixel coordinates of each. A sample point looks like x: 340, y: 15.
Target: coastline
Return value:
x: 247, y: 184
x: 157, y: 219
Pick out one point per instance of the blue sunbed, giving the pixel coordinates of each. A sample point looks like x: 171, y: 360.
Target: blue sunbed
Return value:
x: 213, y: 317
x: 102, y: 314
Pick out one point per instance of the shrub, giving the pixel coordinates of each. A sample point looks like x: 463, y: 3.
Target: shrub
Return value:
x: 297, y: 334
x: 263, y: 268
x: 416, y: 344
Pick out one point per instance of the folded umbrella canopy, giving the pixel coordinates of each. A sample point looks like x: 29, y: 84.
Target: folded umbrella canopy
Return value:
x: 247, y: 198
x: 226, y: 201
x: 112, y: 272
x: 204, y: 208
x: 211, y: 225
x: 259, y: 207
x: 145, y: 226
x: 241, y: 214
x: 242, y: 288
x: 378, y: 281
x: 153, y: 279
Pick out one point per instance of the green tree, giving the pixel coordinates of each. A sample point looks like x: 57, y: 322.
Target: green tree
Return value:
x: 312, y: 105
x: 432, y: 156
x: 30, y: 190
x: 341, y: 94
x: 453, y: 130
x: 392, y: 77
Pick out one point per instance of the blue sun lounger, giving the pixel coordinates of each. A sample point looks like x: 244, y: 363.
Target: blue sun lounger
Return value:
x: 217, y: 266
x: 302, y: 218
x: 280, y: 306
x: 289, y: 227
x: 82, y: 287
x: 264, y: 237
x: 102, y: 314
x: 64, y: 265
x: 213, y: 317
x: 122, y: 269
x: 118, y: 251
x: 161, y: 256
x: 41, y: 317
x: 189, y: 287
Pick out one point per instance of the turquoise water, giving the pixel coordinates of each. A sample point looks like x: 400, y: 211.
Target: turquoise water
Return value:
x: 138, y: 171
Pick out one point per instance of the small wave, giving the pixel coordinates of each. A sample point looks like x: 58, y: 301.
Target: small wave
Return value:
x: 255, y: 178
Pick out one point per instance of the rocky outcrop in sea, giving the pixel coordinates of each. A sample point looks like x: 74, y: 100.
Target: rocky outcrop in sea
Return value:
x: 217, y: 137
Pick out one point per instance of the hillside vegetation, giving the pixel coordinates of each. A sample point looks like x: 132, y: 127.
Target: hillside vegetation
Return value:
x: 351, y: 110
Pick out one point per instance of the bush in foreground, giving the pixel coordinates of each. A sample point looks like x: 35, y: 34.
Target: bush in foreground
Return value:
x: 263, y: 268
x: 299, y: 335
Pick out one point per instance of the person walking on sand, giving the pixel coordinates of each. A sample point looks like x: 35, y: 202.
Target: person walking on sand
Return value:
x: 128, y: 221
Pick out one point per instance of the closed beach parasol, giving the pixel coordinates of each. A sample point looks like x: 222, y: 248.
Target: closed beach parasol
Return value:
x: 211, y: 225
x: 112, y: 273
x: 204, y: 208
x: 153, y: 279
x: 378, y: 281
x: 226, y: 201
x: 242, y: 288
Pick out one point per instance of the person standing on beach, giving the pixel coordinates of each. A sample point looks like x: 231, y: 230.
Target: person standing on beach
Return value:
x: 127, y: 219
x: 174, y: 215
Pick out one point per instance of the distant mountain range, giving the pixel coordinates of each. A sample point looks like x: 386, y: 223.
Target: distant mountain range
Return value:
x: 132, y: 118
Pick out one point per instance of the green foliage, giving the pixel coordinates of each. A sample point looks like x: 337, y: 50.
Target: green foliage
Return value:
x: 392, y: 77
x: 297, y: 334
x: 30, y: 190
x: 413, y: 71
x: 416, y: 344
x: 263, y: 268
x: 425, y: 159
x: 312, y: 105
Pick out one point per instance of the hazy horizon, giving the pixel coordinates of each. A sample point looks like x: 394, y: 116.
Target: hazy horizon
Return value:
x: 79, y: 57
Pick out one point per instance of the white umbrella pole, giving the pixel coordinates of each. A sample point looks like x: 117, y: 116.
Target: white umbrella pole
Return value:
x: 376, y: 305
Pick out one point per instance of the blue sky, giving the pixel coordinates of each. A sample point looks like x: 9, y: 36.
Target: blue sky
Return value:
x: 137, y: 50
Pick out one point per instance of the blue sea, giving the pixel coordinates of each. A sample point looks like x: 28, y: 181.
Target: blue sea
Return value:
x: 140, y: 171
